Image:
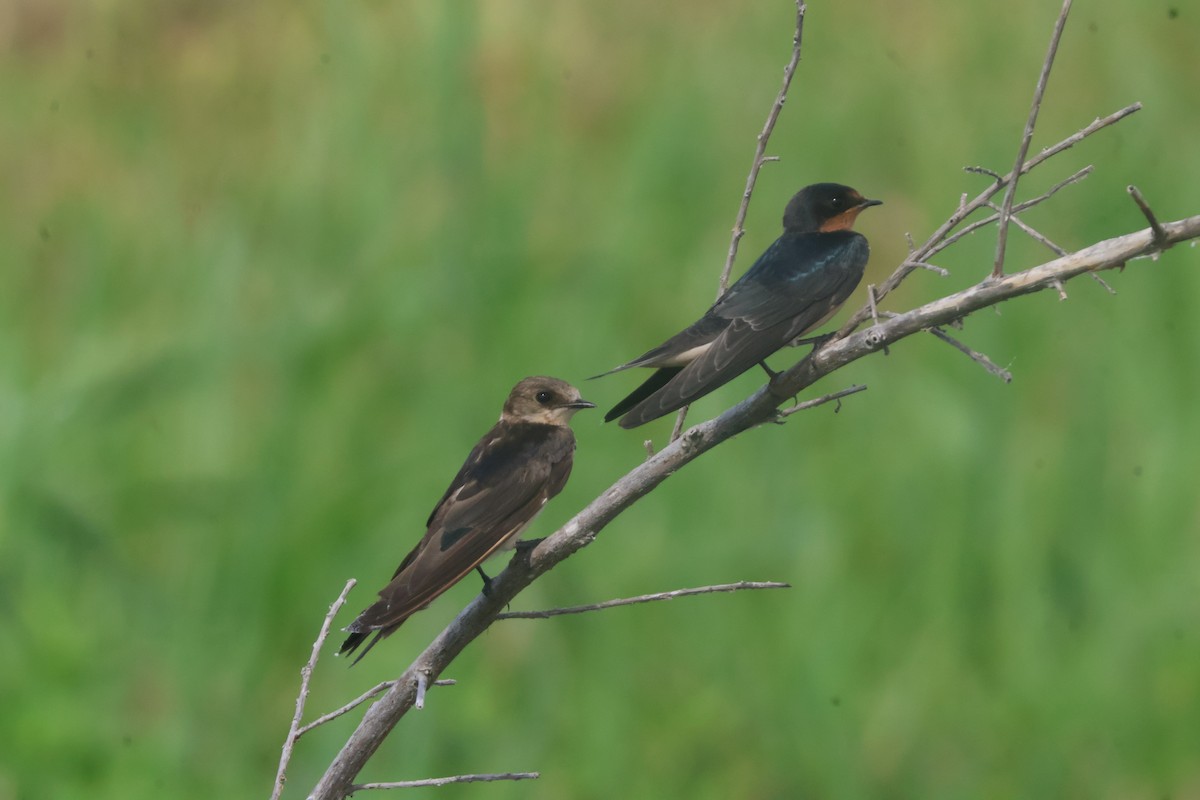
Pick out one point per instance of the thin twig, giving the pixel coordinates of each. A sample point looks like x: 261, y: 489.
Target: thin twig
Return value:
x: 820, y: 401
x: 679, y: 420
x: 965, y: 209
x: 358, y: 701
x: 976, y: 356
x: 353, y: 704
x: 991, y: 173
x: 289, y: 744
x: 502, y: 776
x: 422, y: 686
x: 760, y: 158
x: 1103, y: 283
x: 1010, y: 192
x: 945, y: 273
x: 1022, y: 206
x: 1160, y: 237
x: 874, y: 310
x: 756, y: 165
x: 645, y: 598
x: 1034, y: 234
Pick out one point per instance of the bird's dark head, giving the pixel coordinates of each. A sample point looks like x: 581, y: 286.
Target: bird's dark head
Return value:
x: 544, y: 400
x: 824, y: 207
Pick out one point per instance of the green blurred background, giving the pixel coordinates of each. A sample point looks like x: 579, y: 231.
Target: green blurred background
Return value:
x: 268, y: 270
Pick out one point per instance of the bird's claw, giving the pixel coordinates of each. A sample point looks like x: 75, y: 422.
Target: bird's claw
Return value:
x: 526, y: 545
x: 487, y: 582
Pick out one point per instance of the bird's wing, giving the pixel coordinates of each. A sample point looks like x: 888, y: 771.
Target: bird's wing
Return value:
x: 793, y: 275
x: 673, y: 351
x: 764, y: 310
x: 502, y: 486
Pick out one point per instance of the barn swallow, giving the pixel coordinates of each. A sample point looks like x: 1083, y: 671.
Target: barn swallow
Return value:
x: 796, y: 285
x: 506, y: 480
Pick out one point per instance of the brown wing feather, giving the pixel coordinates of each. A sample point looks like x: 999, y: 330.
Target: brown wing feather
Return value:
x: 504, y: 483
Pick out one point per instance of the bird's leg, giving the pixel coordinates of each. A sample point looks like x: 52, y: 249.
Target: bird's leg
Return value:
x: 815, y: 341
x: 487, y: 582
x: 770, y: 372
x: 525, y: 545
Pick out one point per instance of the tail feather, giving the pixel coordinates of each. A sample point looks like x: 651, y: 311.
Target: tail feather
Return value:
x: 357, y: 638
x: 656, y: 381
x: 361, y: 630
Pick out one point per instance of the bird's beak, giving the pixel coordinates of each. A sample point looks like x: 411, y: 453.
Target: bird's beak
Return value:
x: 579, y: 404
x: 866, y: 203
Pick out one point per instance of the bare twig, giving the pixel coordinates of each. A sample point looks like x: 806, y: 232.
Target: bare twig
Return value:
x: 353, y: 704
x: 1026, y: 137
x: 820, y: 401
x: 1023, y: 206
x: 759, y: 158
x: 289, y: 744
x: 422, y: 687
x: 1074, y: 178
x: 680, y: 418
x: 974, y: 355
x: 502, y: 776
x: 1033, y: 233
x: 945, y: 273
x: 937, y: 239
x: 1103, y: 283
x: 991, y: 173
x: 644, y: 598
x: 1159, y: 237
x: 874, y: 309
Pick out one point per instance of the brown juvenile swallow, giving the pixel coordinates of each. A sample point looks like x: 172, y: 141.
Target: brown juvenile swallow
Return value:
x: 796, y: 285
x: 521, y: 463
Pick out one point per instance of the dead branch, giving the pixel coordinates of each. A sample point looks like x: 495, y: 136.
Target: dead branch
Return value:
x: 759, y: 408
x: 644, y: 598
x: 289, y: 743
x: 966, y: 208
x: 503, y: 776
x: 979, y: 358
x: 1026, y: 137
x: 760, y: 158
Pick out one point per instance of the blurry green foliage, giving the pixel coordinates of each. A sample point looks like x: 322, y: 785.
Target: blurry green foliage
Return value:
x: 267, y: 271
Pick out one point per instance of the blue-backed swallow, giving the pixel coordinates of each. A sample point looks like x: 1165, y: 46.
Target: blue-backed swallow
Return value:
x: 796, y: 285
x: 522, y: 462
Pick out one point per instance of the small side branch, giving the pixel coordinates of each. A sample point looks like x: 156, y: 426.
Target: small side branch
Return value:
x: 1160, y: 236
x: 759, y: 152
x: 1034, y: 234
x: 760, y: 158
x: 502, y: 776
x: 645, y: 598
x: 1010, y: 192
x: 353, y: 704
x: 820, y: 401
x: 289, y: 744
x: 680, y: 418
x: 938, y: 241
x: 976, y: 356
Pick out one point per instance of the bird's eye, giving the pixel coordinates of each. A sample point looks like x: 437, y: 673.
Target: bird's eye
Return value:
x: 543, y: 397
x: 836, y: 203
